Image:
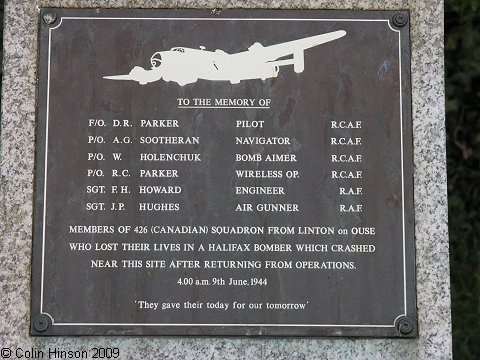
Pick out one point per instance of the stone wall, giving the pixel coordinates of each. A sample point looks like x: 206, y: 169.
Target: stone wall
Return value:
x: 20, y: 70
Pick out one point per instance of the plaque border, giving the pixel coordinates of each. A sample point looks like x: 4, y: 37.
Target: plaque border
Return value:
x: 406, y: 139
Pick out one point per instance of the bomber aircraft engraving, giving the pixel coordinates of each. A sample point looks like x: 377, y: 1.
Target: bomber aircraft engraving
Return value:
x: 186, y: 65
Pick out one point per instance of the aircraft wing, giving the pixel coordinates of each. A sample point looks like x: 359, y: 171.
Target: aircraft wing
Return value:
x: 273, y: 52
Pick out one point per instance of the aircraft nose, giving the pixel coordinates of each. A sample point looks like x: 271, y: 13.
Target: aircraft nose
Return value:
x: 156, y: 60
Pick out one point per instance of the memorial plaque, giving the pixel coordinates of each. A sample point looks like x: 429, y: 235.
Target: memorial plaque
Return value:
x: 237, y: 172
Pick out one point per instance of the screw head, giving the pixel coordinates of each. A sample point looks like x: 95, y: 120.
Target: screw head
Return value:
x: 49, y: 17
x: 405, y: 326
x: 41, y: 323
x: 400, y: 19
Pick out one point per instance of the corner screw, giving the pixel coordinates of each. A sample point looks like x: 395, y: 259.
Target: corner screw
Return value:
x: 400, y: 19
x: 405, y: 326
x: 49, y: 17
x: 41, y: 323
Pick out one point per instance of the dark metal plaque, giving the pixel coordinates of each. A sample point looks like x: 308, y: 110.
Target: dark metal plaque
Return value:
x: 224, y: 173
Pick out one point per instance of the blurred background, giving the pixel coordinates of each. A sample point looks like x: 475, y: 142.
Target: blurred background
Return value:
x: 462, y: 80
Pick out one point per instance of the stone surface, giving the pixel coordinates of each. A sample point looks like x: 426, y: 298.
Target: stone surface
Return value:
x: 16, y: 191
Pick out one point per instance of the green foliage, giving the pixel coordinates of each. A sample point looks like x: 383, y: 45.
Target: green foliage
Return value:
x: 462, y: 55
x: 464, y: 9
